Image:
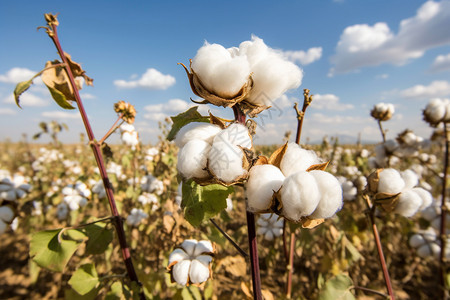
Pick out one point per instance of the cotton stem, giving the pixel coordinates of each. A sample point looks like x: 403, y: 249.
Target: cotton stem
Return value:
x: 443, y: 236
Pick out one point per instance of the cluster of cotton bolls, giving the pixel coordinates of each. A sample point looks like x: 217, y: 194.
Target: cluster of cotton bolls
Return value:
x: 437, y: 111
x: 270, y: 226
x: 14, y: 187
x: 115, y: 169
x: 151, y: 184
x: 149, y: 199
x: 382, y: 111
x: 433, y: 215
x: 412, y: 198
x: 136, y: 216
x: 427, y: 243
x: 349, y: 190
x: 98, y: 188
x: 207, y: 150
x: 409, y: 144
x: 315, y: 194
x: 224, y: 72
x: 72, y: 166
x: 151, y: 153
x: 46, y: 156
x: 129, y: 135
x: 76, y: 195
x: 384, y: 155
x: 190, y: 264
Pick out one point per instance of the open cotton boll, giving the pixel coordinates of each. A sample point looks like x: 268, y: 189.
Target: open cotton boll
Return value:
x: 297, y: 159
x: 196, y: 131
x: 6, y: 214
x: 390, y: 181
x: 331, y: 195
x: 255, y: 50
x: 416, y: 240
x: 219, y: 71
x: 225, y: 161
x: 425, y: 196
x: 192, y: 159
x: 300, y: 196
x: 428, y: 250
x: 263, y: 180
x: 236, y: 134
x: 411, y: 179
x: 408, y: 203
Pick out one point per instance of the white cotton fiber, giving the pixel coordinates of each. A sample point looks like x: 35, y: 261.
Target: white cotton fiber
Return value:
x: 236, y: 134
x: 408, y: 203
x: 192, y: 159
x: 300, y: 195
x: 411, y: 179
x: 416, y: 240
x: 199, y: 271
x: 331, y: 195
x: 6, y: 214
x: 428, y: 250
x: 263, y: 181
x: 390, y: 181
x: 436, y: 110
x: 225, y: 161
x: 196, y: 130
x: 425, y: 195
x: 180, y: 271
x: 297, y: 159
x: 221, y: 72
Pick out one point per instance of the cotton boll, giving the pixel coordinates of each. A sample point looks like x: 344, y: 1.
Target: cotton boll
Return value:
x: 236, y: 134
x: 180, y: 271
x: 297, y: 159
x: 390, y: 181
x: 411, y: 179
x: 435, y: 111
x: 428, y: 250
x: 192, y: 159
x: 425, y: 196
x: 300, y: 196
x: 225, y: 161
x: 6, y: 214
x: 203, y: 247
x: 408, y: 203
x: 416, y: 240
x: 331, y: 195
x: 431, y: 212
x: 196, y: 131
x: 199, y: 271
x: 263, y: 180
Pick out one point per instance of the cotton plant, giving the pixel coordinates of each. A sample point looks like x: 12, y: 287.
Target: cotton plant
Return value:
x: 151, y: 153
x: 14, y: 188
x: 349, y: 190
x: 433, y: 215
x: 190, y: 263
x: 270, y: 226
x: 76, y: 195
x: 382, y: 111
x: 437, y: 111
x: 6, y: 217
x: 99, y: 189
x: 151, y: 184
x: 129, y: 135
x: 427, y: 244
x: 149, y: 199
x: 136, y: 216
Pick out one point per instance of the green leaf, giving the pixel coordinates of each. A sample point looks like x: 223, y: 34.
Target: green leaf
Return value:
x: 21, y: 87
x: 203, y: 202
x: 84, y: 280
x: 71, y: 294
x: 59, y: 98
x: 191, y: 115
x: 49, y: 253
x: 337, y: 288
x: 100, y: 236
x: 116, y: 292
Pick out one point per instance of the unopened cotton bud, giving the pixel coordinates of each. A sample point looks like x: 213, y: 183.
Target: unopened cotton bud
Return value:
x: 297, y: 159
x: 390, y: 182
x: 198, y: 131
x: 411, y: 179
x: 263, y: 181
x: 300, y: 195
x: 330, y: 195
x: 225, y: 161
x: 425, y: 196
x: 236, y: 134
x: 408, y: 203
x: 192, y: 159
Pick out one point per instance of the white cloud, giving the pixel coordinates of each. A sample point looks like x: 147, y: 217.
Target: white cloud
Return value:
x: 382, y: 76
x: 329, y: 102
x: 59, y: 114
x: 151, y: 79
x: 334, y: 119
x: 438, y: 88
x: 87, y: 96
x: 302, y: 57
x: 28, y: 99
x: 7, y: 111
x: 441, y: 63
x: 363, y: 45
x: 16, y: 75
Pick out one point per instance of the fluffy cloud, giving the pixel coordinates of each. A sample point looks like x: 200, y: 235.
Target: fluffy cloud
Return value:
x: 436, y: 89
x: 304, y: 58
x: 7, y: 111
x: 16, y: 75
x: 28, y: 99
x: 441, y: 64
x: 59, y: 114
x: 151, y: 79
x: 364, y: 45
x: 330, y: 102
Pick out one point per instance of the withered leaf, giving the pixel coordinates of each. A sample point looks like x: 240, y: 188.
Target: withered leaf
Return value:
x: 77, y: 71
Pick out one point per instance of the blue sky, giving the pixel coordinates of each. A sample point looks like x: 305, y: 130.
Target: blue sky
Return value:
x: 354, y: 54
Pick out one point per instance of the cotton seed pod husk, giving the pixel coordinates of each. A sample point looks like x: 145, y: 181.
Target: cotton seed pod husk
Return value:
x: 192, y: 159
x: 263, y: 181
x: 331, y: 199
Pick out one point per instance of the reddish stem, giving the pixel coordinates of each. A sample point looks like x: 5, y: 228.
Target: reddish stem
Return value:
x: 444, y: 216
x: 101, y: 166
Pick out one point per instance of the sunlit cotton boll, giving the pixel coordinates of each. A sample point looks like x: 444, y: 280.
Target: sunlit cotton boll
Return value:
x: 390, y: 182
x: 192, y: 159
x: 330, y: 195
x: 191, y: 262
x: 136, y: 216
x: 262, y: 182
x: 348, y: 188
x: 236, y: 134
x: 300, y: 195
x: 437, y: 110
x: 408, y: 203
x: 220, y: 70
x: 269, y: 226
x: 225, y: 161
x: 297, y: 159
x: 14, y: 188
x: 196, y: 131
x: 411, y: 179
x: 425, y: 195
